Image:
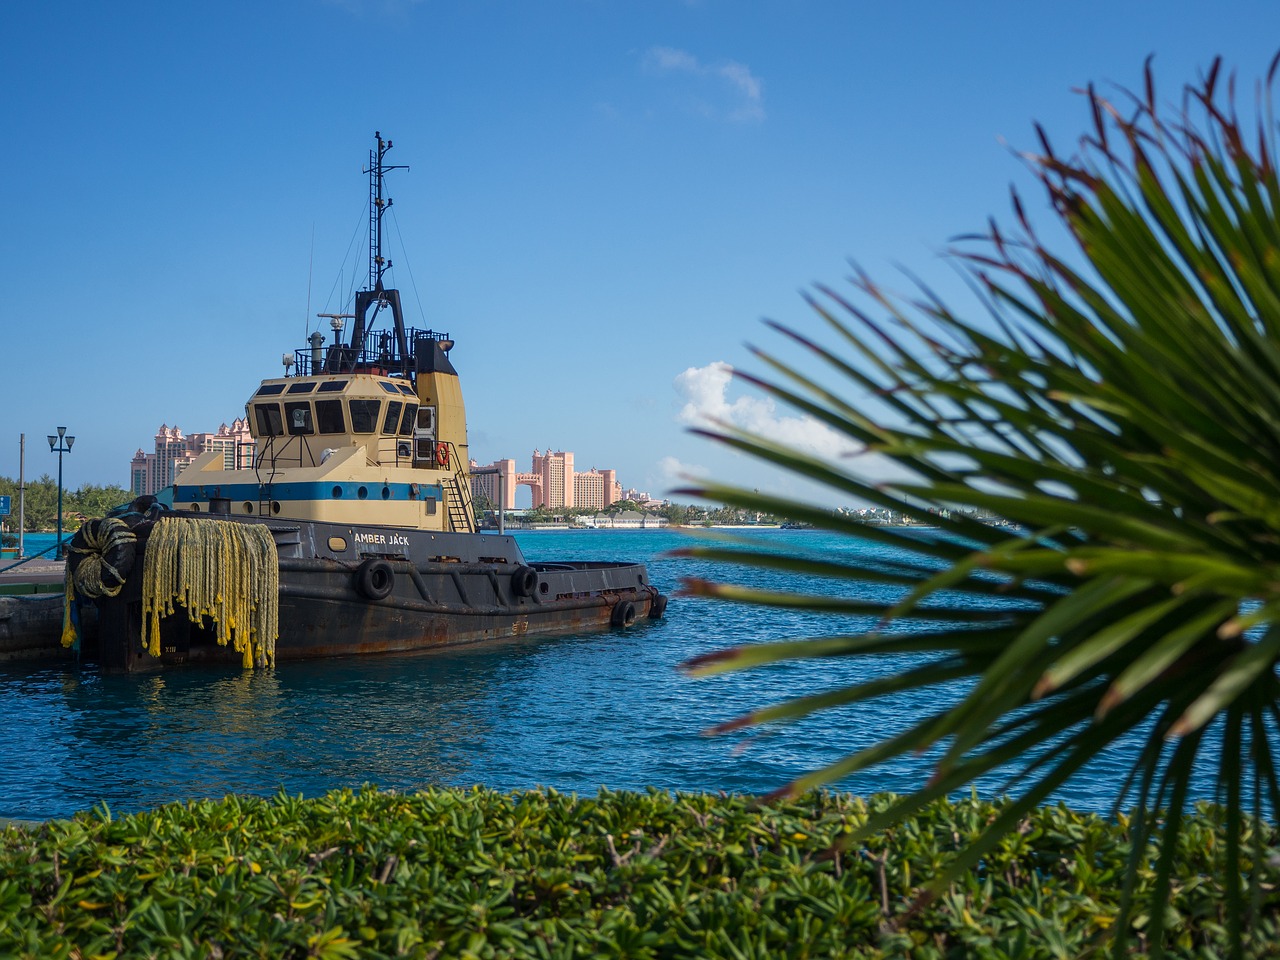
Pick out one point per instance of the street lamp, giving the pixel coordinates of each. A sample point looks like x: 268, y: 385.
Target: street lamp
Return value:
x: 60, y: 444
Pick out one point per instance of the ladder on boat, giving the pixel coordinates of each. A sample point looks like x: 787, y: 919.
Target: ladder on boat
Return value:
x: 457, y: 497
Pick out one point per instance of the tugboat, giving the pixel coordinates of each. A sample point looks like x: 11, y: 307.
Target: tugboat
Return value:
x: 347, y: 528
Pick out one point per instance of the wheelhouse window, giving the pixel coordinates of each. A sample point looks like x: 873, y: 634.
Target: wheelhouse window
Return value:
x: 406, y: 422
x: 267, y: 416
x: 270, y: 389
x: 392, y: 421
x: 298, y: 418
x: 329, y: 418
x: 332, y: 386
x: 303, y: 386
x: 364, y: 415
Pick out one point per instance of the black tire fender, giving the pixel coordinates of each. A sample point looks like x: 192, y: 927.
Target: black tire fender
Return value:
x: 524, y: 581
x: 375, y: 579
x: 624, y: 614
x: 657, y: 607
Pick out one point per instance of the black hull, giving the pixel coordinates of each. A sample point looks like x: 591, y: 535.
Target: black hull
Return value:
x: 374, y: 604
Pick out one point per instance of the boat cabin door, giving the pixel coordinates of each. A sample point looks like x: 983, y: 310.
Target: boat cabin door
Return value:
x: 424, y: 436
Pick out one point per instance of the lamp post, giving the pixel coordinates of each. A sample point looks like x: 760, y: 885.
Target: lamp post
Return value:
x: 60, y: 444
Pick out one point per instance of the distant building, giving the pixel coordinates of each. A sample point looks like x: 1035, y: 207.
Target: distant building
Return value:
x: 152, y: 472
x: 626, y: 520
x: 555, y: 477
x: 552, y: 480
x: 485, y: 487
x: 596, y: 489
x: 644, y: 500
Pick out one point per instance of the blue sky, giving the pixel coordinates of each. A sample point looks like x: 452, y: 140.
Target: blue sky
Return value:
x: 604, y: 197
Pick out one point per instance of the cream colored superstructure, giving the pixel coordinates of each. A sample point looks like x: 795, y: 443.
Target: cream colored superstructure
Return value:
x: 355, y: 448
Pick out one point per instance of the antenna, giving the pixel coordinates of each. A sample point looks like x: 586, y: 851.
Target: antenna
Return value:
x: 378, y: 205
x: 377, y: 296
x: 306, y: 317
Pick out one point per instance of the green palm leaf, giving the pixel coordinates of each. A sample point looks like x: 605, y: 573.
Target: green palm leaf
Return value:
x: 1118, y: 407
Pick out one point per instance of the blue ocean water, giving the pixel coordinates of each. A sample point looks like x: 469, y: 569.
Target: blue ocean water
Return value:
x: 574, y: 713
x: 38, y: 543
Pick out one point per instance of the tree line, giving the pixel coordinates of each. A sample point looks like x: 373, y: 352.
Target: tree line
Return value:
x: 41, y: 508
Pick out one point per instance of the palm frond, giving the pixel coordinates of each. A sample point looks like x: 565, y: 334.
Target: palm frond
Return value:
x: 1117, y: 409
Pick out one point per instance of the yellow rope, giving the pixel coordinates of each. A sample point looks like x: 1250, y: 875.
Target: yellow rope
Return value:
x: 228, y: 572
x: 69, y: 633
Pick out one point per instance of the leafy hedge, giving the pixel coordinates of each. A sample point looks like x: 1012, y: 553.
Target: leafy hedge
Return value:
x: 449, y: 873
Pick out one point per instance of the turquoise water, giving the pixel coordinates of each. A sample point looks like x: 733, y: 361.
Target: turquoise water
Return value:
x: 574, y: 713
x: 33, y: 543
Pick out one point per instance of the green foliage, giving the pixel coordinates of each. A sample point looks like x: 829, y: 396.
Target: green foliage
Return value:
x: 448, y: 873
x: 41, y: 508
x: 1119, y: 408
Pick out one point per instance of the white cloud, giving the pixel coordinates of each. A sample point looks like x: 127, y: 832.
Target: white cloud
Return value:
x: 705, y: 391
x: 715, y: 82
x: 669, y: 58
x: 672, y: 471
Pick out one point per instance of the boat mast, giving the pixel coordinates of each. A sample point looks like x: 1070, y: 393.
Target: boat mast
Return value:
x: 376, y: 295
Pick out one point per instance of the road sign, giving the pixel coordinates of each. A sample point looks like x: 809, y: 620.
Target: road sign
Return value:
x: 4, y: 506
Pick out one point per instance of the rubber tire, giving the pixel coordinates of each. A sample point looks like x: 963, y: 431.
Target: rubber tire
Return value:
x: 657, y: 607
x: 524, y: 581
x: 375, y: 579
x: 624, y: 614
x: 120, y: 557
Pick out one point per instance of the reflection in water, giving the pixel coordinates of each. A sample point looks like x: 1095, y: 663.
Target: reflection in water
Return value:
x: 574, y: 713
x: 134, y: 741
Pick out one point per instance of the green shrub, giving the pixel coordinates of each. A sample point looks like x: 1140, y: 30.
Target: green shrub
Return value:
x: 449, y: 873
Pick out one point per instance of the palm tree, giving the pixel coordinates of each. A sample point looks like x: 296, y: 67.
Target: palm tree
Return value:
x: 1118, y: 406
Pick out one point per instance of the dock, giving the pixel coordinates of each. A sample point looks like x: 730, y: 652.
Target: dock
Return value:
x: 36, y: 572
x: 31, y: 610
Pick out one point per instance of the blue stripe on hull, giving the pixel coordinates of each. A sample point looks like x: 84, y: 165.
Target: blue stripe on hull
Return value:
x: 311, y: 490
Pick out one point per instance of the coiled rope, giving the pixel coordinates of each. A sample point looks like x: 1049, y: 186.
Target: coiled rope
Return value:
x: 226, y: 571
x: 100, y: 558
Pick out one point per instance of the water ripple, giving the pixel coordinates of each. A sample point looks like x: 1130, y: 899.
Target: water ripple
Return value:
x: 574, y: 713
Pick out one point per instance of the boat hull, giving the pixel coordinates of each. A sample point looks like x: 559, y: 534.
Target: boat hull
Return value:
x: 436, y: 592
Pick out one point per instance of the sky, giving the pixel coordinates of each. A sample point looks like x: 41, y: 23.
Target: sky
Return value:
x: 604, y: 197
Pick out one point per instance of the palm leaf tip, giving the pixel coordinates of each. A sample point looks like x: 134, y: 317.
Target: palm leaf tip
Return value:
x: 732, y: 726
x: 699, y: 587
x: 716, y: 661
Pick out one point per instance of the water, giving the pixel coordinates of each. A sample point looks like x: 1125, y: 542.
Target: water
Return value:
x: 38, y: 543
x: 573, y: 713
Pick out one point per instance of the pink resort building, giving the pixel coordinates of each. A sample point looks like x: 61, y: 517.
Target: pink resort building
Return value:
x: 552, y: 480
x: 152, y: 472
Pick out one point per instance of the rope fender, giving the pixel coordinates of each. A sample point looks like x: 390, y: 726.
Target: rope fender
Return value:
x: 101, y: 557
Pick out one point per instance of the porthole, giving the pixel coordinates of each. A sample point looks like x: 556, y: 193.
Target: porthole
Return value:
x: 362, y: 492
x: 542, y: 587
x: 275, y: 506
x: 337, y: 545
x: 195, y: 508
x: 337, y: 493
x: 386, y: 493
x: 248, y: 507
